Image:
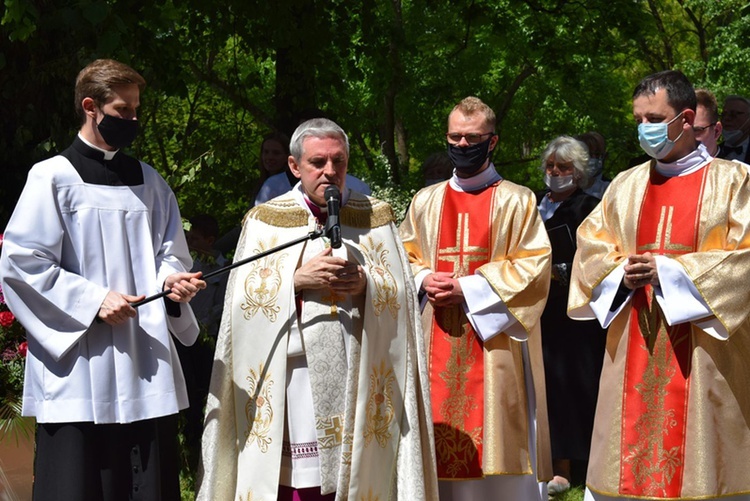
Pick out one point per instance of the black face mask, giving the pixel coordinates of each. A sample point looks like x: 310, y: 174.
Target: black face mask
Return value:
x: 118, y: 132
x: 470, y: 159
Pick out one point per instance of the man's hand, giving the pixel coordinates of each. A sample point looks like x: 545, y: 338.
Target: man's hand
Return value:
x: 640, y: 270
x: 184, y: 286
x: 442, y: 289
x: 328, y: 271
x: 116, y: 309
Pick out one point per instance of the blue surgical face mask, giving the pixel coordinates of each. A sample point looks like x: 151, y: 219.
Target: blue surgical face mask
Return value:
x: 654, y: 138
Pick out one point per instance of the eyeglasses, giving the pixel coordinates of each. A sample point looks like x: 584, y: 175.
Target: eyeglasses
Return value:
x: 473, y: 138
x: 698, y: 128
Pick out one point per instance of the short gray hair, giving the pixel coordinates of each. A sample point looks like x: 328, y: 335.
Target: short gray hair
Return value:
x: 568, y: 149
x: 316, y: 127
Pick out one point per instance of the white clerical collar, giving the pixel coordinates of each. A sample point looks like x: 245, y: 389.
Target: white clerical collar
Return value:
x: 301, y: 197
x: 694, y: 161
x: 482, y: 180
x: 108, y: 155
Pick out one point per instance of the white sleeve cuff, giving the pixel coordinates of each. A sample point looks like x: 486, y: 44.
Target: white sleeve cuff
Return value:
x: 419, y: 278
x: 604, y: 295
x: 680, y: 300
x: 486, y: 311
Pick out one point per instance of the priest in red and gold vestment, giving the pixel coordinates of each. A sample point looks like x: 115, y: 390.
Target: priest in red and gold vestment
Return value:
x: 663, y: 262
x: 480, y: 255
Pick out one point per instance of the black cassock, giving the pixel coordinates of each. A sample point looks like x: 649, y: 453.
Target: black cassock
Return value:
x: 573, y: 350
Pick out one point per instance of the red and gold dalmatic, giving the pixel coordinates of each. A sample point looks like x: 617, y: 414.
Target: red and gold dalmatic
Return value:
x: 478, y: 391
x: 673, y: 410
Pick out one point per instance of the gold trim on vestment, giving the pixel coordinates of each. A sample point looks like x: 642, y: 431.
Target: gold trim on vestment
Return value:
x: 359, y: 212
x: 285, y: 213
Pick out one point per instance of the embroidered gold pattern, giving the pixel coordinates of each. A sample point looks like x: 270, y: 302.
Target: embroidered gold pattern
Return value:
x: 333, y: 298
x: 452, y: 440
x: 379, y: 413
x: 263, y: 283
x: 655, y: 424
x: 369, y: 496
x: 359, y: 212
x: 665, y: 232
x: 248, y: 497
x: 364, y: 213
x: 461, y: 254
x: 258, y: 409
x: 346, y: 448
x: 282, y: 214
x: 378, y: 267
x: 330, y: 431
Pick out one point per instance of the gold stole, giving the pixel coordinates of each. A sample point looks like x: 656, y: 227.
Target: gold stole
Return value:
x: 657, y: 371
x: 457, y: 354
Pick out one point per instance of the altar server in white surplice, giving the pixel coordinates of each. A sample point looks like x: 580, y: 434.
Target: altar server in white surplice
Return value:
x: 93, y: 229
x: 319, y: 386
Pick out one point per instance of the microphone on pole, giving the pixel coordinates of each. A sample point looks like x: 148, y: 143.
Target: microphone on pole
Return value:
x: 333, y: 227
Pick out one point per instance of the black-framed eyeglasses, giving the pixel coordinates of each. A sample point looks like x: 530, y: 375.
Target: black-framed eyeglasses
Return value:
x: 698, y: 128
x: 472, y: 138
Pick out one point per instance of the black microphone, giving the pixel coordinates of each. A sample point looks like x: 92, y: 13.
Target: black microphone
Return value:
x: 333, y: 227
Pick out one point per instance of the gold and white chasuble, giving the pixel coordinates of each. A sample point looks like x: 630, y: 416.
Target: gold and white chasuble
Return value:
x: 673, y: 415
x: 479, y: 393
x: 368, y: 381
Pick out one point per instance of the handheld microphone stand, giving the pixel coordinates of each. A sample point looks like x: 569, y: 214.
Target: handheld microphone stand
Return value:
x: 310, y: 236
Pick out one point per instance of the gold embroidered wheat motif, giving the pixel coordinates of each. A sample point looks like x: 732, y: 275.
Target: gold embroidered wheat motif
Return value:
x: 263, y: 283
x: 379, y: 269
x: 258, y: 409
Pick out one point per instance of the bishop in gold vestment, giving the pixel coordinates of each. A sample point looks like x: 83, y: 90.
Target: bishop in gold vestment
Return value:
x: 312, y: 387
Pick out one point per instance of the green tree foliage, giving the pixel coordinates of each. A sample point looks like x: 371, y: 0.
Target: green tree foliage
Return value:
x: 222, y: 74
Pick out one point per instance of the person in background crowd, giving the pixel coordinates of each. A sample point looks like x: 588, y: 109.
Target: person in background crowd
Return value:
x: 208, y: 305
x: 480, y: 258
x: 274, y: 152
x: 707, y: 126
x: 93, y: 232
x: 573, y: 351
x: 597, y: 151
x: 197, y: 359
x: 735, y: 119
x: 437, y: 168
x: 661, y: 262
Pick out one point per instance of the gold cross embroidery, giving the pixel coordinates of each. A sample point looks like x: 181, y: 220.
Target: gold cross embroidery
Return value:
x: 330, y: 431
x: 462, y: 253
x: 333, y: 298
x: 665, y: 232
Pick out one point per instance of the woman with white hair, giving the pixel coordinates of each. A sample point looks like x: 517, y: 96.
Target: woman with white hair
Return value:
x: 573, y: 350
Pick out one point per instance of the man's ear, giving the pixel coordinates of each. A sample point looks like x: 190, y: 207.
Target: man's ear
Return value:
x: 294, y: 167
x: 494, y: 141
x: 89, y: 107
x: 689, y: 116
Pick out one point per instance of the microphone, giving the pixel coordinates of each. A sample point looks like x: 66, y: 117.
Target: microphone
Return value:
x: 333, y: 227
